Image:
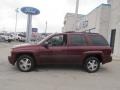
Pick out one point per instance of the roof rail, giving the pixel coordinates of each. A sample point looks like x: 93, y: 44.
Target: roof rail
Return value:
x: 70, y: 32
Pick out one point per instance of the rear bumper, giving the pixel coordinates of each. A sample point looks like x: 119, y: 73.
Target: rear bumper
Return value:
x: 11, y: 61
x: 107, y: 59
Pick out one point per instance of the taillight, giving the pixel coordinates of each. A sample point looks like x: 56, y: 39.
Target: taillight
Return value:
x: 108, y: 51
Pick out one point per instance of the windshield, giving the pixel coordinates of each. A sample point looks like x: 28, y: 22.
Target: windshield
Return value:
x: 44, y: 39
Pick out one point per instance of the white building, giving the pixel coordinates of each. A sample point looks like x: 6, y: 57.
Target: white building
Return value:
x: 71, y: 20
x: 114, y: 30
x: 105, y: 19
x: 96, y: 21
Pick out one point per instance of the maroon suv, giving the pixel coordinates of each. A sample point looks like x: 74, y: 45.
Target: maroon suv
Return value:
x: 86, y: 49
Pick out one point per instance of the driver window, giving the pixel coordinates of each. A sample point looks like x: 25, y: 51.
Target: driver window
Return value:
x: 58, y: 40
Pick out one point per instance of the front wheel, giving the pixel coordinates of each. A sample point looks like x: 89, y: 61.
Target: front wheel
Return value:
x: 25, y: 63
x: 92, y: 64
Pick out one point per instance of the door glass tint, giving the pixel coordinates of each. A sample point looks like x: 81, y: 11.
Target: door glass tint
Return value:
x: 98, y: 40
x: 58, y: 40
x: 77, y: 40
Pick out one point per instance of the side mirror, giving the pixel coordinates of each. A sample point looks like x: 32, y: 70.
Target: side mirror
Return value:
x: 46, y: 45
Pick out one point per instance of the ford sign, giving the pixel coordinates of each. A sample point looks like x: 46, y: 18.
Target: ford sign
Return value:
x: 34, y: 30
x: 30, y: 10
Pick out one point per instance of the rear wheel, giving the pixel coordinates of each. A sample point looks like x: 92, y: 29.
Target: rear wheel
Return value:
x: 25, y: 63
x: 92, y: 64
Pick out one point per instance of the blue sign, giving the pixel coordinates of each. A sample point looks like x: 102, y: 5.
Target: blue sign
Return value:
x: 30, y: 10
x: 34, y: 30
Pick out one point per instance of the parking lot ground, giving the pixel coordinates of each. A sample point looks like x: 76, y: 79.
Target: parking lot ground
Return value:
x: 56, y: 77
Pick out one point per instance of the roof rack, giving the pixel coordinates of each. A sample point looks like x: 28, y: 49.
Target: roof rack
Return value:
x: 86, y: 31
x: 70, y: 32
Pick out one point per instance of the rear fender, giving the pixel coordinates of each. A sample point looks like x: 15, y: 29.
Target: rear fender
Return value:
x: 92, y: 53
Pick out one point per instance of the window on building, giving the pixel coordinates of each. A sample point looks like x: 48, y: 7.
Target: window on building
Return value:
x: 64, y: 22
x: 77, y: 40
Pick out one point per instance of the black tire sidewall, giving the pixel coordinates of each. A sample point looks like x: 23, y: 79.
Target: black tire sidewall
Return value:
x: 86, y: 62
x: 25, y: 56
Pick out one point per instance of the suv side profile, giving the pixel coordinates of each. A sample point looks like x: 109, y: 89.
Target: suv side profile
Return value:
x: 86, y: 49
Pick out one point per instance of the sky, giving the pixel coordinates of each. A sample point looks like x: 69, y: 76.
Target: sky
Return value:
x: 52, y: 11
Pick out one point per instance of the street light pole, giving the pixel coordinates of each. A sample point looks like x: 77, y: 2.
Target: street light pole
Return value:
x: 16, y: 19
x: 46, y: 27
x: 77, y: 6
x: 76, y: 16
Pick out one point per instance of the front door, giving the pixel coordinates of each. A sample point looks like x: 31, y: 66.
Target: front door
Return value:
x: 56, y: 52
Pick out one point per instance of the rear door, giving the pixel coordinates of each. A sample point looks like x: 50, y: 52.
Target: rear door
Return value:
x: 99, y: 44
x: 77, y: 45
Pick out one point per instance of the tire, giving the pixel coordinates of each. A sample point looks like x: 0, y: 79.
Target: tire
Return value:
x: 25, y: 63
x: 92, y: 64
x: 9, y: 40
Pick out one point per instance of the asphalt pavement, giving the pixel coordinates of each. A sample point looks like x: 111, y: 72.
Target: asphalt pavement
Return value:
x: 56, y: 77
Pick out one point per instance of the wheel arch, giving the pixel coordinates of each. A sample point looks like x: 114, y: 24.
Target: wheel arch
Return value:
x: 94, y: 55
x: 26, y: 53
x: 97, y: 55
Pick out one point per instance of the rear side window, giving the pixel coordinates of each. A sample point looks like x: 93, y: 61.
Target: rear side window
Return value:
x: 77, y: 40
x: 98, y: 40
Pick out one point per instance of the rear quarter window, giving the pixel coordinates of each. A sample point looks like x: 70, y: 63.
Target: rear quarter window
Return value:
x: 77, y: 40
x: 98, y: 40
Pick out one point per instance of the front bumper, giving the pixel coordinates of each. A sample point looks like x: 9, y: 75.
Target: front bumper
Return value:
x: 11, y: 61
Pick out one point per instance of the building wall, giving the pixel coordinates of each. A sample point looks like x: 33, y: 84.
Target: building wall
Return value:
x: 104, y: 20
x: 116, y: 54
x: 115, y: 24
x: 99, y: 20
x: 115, y: 12
x: 70, y: 22
x: 96, y: 21
x: 93, y: 18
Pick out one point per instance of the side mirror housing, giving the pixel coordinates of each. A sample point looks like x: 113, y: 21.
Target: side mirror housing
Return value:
x: 46, y: 45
